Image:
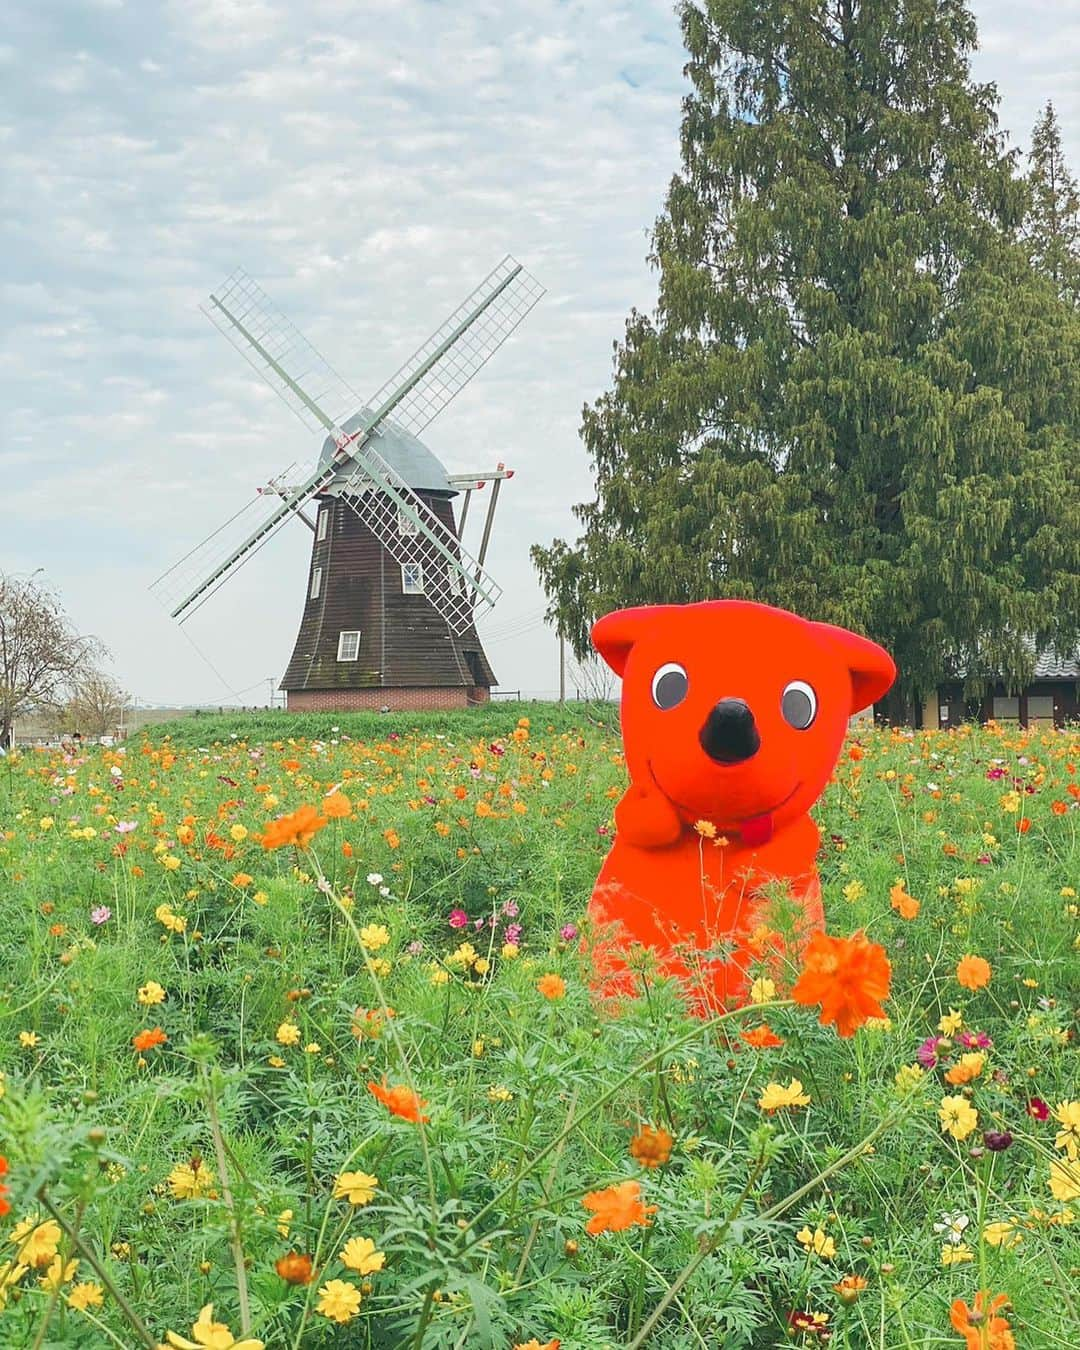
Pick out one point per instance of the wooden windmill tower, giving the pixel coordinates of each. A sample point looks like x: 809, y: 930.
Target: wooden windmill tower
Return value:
x: 389, y: 610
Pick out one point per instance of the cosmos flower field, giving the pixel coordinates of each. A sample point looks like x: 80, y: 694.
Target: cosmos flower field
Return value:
x: 298, y: 1048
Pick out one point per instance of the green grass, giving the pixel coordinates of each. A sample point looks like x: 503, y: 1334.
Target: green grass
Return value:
x: 532, y: 1102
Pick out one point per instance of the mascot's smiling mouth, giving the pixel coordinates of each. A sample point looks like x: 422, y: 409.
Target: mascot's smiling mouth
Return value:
x: 754, y: 830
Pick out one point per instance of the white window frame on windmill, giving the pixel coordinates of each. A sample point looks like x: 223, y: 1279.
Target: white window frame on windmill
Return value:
x: 455, y: 580
x: 405, y: 523
x: 316, y: 583
x: 324, y: 521
x: 349, y: 642
x: 415, y: 586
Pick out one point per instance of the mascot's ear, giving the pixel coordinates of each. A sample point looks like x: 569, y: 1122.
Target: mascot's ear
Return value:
x: 616, y: 633
x: 872, y: 668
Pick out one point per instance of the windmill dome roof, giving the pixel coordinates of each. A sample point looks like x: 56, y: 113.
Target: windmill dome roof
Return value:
x: 406, y: 454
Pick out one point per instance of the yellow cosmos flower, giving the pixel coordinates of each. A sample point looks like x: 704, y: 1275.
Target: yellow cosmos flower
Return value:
x: 288, y: 1034
x: 908, y: 1076
x: 958, y: 1117
x: 1001, y: 1234
x: 774, y: 1096
x: 956, y: 1255
x: 359, y: 1254
x: 58, y: 1274
x: 28, y: 1039
x: 35, y: 1243
x: 854, y: 891
x: 85, y: 1295
x: 374, y: 937
x: 10, y: 1275
x: 762, y: 990
x: 818, y: 1242
x: 339, y: 1301
x: 211, y: 1335
x: 356, y: 1187
x: 173, y: 922
x: 238, y: 833
x: 151, y: 993
x: 189, y: 1183
x: 951, y: 1023
x: 1064, y: 1181
x: 1067, y: 1114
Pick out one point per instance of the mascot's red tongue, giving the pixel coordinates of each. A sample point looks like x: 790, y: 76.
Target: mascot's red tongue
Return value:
x: 756, y: 830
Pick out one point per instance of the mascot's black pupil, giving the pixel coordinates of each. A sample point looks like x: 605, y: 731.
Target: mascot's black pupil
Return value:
x: 670, y: 689
x: 797, y: 708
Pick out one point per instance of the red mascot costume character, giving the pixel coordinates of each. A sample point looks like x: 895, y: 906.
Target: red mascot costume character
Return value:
x: 733, y: 715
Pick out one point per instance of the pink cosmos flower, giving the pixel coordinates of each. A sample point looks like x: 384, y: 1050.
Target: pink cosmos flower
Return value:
x: 102, y: 914
x: 458, y: 918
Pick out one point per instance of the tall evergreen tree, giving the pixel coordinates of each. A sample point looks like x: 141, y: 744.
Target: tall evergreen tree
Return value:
x: 1052, y: 228
x: 857, y: 398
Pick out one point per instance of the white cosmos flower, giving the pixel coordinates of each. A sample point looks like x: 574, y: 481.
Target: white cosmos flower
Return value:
x: 952, y: 1227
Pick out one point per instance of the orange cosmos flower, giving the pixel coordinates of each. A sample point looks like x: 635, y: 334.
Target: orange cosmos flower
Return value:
x: 762, y: 1037
x: 299, y: 828
x: 146, y: 1040
x: 979, y: 1326
x: 1023, y: 825
x: 534, y: 1344
x: 907, y: 907
x: 336, y: 806
x: 295, y: 1268
x: 651, y: 1147
x: 616, y: 1208
x: 849, y: 1288
x: 5, y: 1204
x: 972, y: 972
x: 552, y: 986
x: 848, y: 976
x: 400, y: 1101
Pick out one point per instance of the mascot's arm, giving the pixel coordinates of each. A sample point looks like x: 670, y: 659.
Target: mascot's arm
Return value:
x: 646, y: 819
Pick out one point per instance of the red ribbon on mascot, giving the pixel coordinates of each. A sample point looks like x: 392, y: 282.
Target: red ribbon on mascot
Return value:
x: 733, y: 715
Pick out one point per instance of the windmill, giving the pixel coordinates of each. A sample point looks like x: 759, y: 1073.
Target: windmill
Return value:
x: 392, y: 593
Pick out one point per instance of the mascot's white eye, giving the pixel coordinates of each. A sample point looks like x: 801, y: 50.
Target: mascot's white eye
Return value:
x: 669, y: 686
x: 798, y: 703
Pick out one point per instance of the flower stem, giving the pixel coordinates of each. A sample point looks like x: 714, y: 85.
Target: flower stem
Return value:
x: 230, y: 1204
x: 84, y: 1251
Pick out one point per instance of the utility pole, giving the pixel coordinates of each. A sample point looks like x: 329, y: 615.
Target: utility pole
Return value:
x: 562, y: 669
x: 270, y: 690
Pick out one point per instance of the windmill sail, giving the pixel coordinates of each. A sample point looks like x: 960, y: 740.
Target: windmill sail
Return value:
x: 313, y: 390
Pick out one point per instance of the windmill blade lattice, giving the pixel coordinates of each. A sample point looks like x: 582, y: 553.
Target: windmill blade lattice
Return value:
x: 438, y: 371
x: 234, y: 542
x: 452, y: 579
x: 276, y: 350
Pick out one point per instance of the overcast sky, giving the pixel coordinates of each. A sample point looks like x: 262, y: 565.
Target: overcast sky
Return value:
x: 368, y: 161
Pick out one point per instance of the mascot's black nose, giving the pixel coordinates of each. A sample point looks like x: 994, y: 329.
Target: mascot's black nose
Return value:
x: 729, y: 735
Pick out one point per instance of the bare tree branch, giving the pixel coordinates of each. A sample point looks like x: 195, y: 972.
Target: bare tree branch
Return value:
x: 42, y: 657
